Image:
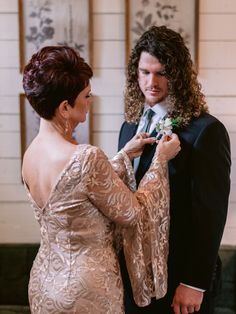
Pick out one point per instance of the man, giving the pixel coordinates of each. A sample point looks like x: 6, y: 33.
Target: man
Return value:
x: 161, y: 76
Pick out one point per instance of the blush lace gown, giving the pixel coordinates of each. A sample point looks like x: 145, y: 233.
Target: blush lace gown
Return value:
x: 76, y: 269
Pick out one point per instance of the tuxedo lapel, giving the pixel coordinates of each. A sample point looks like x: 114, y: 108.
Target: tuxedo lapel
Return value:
x: 145, y: 160
x: 154, y: 133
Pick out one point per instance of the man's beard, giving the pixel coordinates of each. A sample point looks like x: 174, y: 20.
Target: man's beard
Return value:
x: 156, y: 101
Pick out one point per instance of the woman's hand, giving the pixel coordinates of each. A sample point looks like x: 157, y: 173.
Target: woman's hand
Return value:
x: 168, y: 147
x: 135, y: 146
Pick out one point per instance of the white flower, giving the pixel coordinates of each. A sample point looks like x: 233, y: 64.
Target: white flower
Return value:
x: 165, y: 126
x: 168, y: 123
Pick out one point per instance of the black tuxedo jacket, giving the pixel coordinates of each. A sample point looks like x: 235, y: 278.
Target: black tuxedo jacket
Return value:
x: 199, y: 189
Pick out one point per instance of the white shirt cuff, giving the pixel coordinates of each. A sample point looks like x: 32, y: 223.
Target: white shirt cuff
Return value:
x: 195, y: 288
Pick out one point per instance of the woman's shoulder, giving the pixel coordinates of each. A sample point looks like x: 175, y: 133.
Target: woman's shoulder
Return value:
x: 91, y: 158
x: 91, y: 151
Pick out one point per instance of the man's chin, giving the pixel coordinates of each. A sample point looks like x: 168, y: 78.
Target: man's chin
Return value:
x: 153, y: 102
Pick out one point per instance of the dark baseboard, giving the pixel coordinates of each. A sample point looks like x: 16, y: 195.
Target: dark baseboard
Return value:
x: 15, y: 264
x: 226, y: 300
x: 14, y: 309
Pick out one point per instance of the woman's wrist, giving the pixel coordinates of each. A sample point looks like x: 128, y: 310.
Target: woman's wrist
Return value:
x: 128, y: 153
x: 123, y: 151
x: 161, y: 157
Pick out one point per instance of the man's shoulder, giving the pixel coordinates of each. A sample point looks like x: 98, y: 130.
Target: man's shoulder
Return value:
x: 200, y: 125
x: 204, y: 121
x: 127, y: 131
x: 128, y: 126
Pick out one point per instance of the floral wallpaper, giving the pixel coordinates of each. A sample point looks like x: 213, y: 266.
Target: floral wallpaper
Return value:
x: 179, y: 15
x: 52, y: 22
x: 56, y: 22
x: 42, y: 28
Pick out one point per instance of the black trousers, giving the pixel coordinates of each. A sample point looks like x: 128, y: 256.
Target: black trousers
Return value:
x: 163, y: 306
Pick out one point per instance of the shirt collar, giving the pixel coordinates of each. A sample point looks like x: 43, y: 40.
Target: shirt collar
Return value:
x: 160, y: 109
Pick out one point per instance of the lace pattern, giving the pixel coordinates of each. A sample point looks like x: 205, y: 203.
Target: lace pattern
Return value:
x: 76, y: 269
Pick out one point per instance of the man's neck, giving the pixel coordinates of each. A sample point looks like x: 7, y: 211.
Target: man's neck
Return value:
x: 160, y: 108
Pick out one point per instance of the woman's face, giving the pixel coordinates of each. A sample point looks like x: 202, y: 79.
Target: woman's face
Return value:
x: 82, y: 105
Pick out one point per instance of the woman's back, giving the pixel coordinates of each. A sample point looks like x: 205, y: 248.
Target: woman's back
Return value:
x: 76, y: 269
x: 43, y: 163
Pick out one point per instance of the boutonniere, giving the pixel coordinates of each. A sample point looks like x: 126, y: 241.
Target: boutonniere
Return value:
x: 166, y: 126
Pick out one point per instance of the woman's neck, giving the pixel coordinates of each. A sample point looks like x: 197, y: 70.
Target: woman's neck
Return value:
x: 57, y: 129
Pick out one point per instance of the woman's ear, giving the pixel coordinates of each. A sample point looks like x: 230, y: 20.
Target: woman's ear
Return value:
x: 64, y: 109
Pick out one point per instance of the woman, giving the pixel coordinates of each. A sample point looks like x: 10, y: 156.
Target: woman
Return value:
x: 76, y: 194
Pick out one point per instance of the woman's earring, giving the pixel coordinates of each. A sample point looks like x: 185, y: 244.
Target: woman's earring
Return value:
x: 66, y: 127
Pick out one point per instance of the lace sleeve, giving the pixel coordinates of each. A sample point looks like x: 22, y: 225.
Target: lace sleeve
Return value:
x: 107, y: 191
x: 121, y: 164
x: 146, y: 244
x: 144, y: 216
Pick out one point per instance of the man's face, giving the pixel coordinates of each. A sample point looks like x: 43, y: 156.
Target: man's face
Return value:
x: 151, y: 79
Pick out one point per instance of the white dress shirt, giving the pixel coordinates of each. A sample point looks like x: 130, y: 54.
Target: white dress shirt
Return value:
x: 160, y: 111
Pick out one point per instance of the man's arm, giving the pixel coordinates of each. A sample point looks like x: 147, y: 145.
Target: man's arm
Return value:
x: 210, y: 191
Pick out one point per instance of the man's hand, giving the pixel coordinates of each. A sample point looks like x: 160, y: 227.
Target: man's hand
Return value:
x: 186, y: 300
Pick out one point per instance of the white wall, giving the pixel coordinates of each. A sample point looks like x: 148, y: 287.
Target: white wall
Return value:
x: 17, y: 223
x: 108, y: 83
x: 217, y: 70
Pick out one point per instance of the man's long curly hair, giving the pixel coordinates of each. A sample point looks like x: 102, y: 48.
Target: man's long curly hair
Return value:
x: 184, y: 91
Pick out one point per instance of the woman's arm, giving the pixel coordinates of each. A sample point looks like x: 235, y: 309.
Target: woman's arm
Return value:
x: 122, y: 162
x: 109, y: 193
